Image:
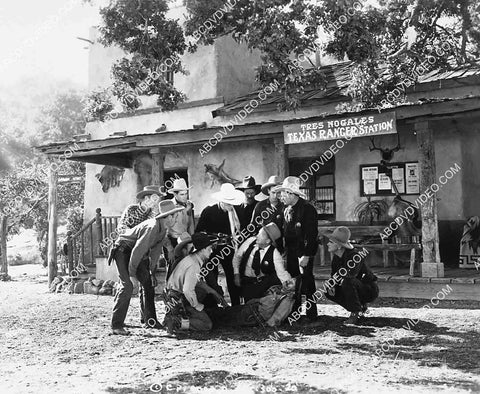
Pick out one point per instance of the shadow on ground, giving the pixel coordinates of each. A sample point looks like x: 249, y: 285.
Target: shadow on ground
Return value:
x: 221, y: 381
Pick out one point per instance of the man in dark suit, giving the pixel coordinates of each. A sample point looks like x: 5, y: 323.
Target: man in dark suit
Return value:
x: 269, y: 210
x: 300, y: 232
x: 250, y: 189
x: 223, y: 217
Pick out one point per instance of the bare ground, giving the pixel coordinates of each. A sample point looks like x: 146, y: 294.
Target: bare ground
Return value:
x: 53, y: 343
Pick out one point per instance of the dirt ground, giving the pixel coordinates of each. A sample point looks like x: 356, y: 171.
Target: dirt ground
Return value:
x: 53, y: 343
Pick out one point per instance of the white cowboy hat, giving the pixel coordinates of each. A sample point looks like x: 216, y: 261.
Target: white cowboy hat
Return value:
x: 149, y: 190
x: 178, y: 186
x: 167, y: 207
x: 341, y: 236
x: 291, y: 184
x: 274, y: 180
x: 229, y: 195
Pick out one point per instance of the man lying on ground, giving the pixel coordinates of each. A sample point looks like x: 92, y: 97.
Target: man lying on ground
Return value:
x: 357, y: 284
x: 258, y: 264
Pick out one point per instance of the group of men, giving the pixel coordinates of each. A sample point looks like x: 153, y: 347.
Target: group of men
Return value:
x: 263, y: 236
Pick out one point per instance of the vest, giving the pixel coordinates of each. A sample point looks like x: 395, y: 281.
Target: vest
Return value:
x: 267, y: 267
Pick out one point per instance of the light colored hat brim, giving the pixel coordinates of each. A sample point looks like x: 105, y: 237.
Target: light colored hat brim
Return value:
x: 347, y: 245
x: 174, y: 189
x: 172, y: 211
x: 144, y: 193
x: 260, y: 197
x: 236, y: 199
x: 265, y: 186
x: 287, y: 189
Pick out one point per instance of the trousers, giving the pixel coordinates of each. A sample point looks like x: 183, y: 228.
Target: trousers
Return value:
x: 352, y: 294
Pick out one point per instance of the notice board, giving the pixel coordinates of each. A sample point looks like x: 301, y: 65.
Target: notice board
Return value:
x: 375, y: 179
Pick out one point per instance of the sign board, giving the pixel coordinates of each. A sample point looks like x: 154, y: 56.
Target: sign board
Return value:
x: 374, y: 180
x: 333, y: 129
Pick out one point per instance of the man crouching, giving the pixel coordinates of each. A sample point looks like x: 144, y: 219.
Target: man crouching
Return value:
x: 258, y: 264
x: 184, y: 310
x: 355, y: 283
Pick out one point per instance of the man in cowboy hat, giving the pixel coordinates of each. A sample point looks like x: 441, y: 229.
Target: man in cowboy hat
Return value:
x: 136, y: 251
x: 250, y: 189
x: 258, y: 264
x: 223, y: 217
x: 300, y: 233
x: 181, y: 294
x: 357, y: 284
x: 147, y: 207
x: 269, y: 210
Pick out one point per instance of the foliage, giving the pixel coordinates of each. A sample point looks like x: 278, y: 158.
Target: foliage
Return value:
x: 386, y: 41
x: 74, y: 219
x: 97, y: 104
x: 151, y: 41
x: 370, y: 210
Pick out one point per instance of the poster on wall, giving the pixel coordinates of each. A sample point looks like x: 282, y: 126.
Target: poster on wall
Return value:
x: 369, y: 173
x: 369, y: 186
x: 398, y: 179
x: 384, y: 182
x: 380, y: 179
x: 412, y: 178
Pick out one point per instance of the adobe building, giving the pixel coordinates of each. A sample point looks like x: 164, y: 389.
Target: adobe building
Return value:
x: 229, y: 127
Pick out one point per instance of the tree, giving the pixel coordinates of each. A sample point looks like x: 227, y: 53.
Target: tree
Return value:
x: 370, y: 36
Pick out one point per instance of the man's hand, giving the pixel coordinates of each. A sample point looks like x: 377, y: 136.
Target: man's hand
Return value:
x: 237, y: 280
x: 171, y: 256
x: 331, y: 291
x: 220, y: 300
x: 304, y: 261
x: 154, y: 281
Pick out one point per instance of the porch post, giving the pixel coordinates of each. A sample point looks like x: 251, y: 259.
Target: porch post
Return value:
x: 3, y: 248
x: 432, y: 266
x: 52, y: 222
x: 157, y: 166
x: 281, y: 162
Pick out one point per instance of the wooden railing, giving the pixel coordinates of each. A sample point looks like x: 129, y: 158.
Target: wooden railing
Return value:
x: 91, y: 241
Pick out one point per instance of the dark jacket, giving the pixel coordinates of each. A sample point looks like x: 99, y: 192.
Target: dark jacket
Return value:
x: 214, y: 220
x: 301, y: 232
x: 271, y: 214
x: 356, y: 268
x: 247, y: 212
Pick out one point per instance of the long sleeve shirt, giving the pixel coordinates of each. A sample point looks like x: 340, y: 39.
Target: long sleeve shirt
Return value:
x: 183, y: 220
x: 278, y: 262
x: 145, y: 240
x: 301, y: 229
x: 356, y: 268
x: 134, y: 214
x: 185, y: 277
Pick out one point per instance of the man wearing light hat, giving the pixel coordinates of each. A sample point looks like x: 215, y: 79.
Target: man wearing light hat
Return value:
x: 300, y: 232
x: 271, y: 209
x: 258, y: 264
x: 223, y: 217
x: 357, y: 284
x: 135, y: 252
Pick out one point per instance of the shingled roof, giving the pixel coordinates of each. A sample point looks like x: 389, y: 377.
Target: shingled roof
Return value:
x: 338, y: 77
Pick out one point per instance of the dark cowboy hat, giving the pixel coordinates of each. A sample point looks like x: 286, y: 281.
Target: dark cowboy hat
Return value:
x: 148, y: 190
x: 341, y: 236
x: 202, y: 240
x: 249, y: 183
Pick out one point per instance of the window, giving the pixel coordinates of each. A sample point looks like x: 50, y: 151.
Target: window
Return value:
x: 319, y: 188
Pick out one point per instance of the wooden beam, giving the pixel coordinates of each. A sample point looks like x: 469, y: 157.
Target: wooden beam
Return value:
x: 431, y: 266
x: 3, y: 247
x: 281, y: 158
x: 52, y: 222
x: 158, y: 160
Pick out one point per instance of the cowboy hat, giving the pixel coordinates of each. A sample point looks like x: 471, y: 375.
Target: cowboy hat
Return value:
x: 249, y: 183
x: 273, y: 232
x: 202, y: 240
x: 178, y: 186
x: 229, y: 195
x: 260, y: 197
x: 149, y: 190
x: 274, y: 180
x: 341, y: 236
x: 291, y: 184
x: 167, y: 207
x: 184, y: 240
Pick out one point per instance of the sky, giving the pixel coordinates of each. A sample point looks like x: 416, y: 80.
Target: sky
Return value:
x: 38, y: 39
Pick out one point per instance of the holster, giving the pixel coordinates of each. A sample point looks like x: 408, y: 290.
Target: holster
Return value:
x: 117, y: 247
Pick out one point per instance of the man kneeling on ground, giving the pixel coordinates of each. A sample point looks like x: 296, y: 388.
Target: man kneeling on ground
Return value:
x: 184, y: 311
x: 357, y: 284
x: 258, y: 264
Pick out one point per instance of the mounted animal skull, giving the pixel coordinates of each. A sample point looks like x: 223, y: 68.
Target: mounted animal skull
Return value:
x: 387, y: 153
